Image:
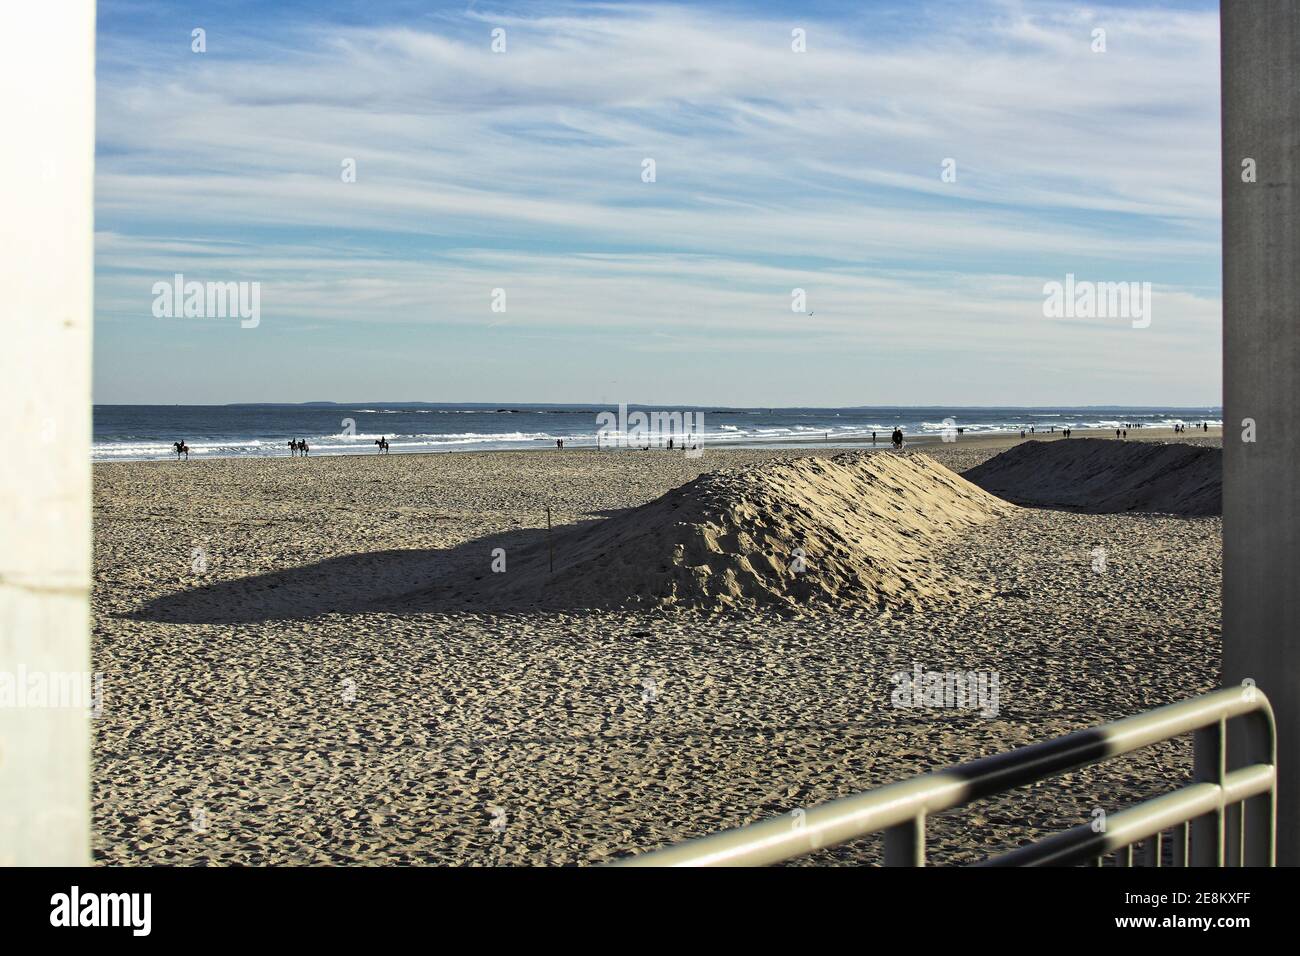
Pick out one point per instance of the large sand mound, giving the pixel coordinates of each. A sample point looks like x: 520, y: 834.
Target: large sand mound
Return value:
x: 864, y: 525
x: 1104, y: 476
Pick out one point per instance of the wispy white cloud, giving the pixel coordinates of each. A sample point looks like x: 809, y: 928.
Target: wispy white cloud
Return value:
x: 775, y: 169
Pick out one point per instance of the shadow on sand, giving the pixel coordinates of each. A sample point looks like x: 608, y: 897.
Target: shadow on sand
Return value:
x: 409, y: 581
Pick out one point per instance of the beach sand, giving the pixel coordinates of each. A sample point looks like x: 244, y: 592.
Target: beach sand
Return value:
x: 277, y: 691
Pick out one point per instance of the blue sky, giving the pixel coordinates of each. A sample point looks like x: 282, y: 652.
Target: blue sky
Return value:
x: 775, y: 170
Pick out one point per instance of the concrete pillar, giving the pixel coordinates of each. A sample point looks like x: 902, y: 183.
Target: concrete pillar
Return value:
x: 1261, y: 356
x: 47, y: 115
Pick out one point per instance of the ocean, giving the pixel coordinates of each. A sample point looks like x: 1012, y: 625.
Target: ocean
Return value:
x: 145, y: 432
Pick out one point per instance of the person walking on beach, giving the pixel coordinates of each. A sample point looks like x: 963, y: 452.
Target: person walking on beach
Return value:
x: 873, y: 438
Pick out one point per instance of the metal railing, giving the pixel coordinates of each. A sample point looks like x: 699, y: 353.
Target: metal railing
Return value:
x: 1224, y: 817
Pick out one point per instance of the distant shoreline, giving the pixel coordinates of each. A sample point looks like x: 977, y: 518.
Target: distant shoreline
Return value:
x: 978, y: 439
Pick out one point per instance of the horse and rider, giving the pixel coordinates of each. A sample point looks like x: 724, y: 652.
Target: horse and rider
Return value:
x: 181, y: 449
x: 298, y: 446
x: 382, y: 442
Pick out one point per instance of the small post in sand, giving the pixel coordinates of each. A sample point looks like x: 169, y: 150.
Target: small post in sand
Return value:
x: 550, y: 548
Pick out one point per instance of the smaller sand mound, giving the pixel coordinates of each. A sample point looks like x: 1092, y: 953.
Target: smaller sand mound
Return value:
x: 854, y: 530
x: 1104, y: 476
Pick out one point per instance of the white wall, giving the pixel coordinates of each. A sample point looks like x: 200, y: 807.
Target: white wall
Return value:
x: 47, y: 121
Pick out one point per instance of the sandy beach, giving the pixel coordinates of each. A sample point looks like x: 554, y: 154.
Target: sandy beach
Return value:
x: 284, y: 682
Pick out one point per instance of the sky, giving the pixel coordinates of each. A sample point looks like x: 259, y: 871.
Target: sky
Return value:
x: 921, y: 170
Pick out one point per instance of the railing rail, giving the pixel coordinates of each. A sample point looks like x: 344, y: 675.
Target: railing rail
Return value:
x: 1218, y: 804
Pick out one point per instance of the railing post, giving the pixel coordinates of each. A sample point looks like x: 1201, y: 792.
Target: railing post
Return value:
x: 1259, y: 832
x: 1210, y: 767
x: 1155, y: 845
x: 1234, y: 834
x: 1252, y: 741
x: 905, y: 843
x: 1180, y: 845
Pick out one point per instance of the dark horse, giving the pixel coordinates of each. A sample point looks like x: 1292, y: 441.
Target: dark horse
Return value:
x: 181, y: 449
x: 297, y: 446
x: 382, y: 442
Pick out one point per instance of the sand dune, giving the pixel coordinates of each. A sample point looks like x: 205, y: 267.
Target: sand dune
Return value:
x: 1103, y: 476
x: 855, y: 530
